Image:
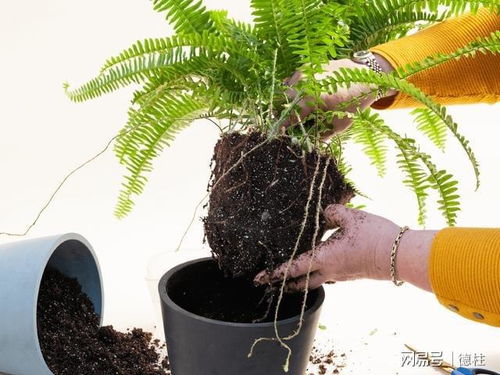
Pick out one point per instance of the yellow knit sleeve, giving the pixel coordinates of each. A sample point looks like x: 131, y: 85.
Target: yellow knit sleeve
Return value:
x: 467, y: 80
x: 464, y: 270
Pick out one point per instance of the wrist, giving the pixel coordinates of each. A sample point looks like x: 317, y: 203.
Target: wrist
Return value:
x: 413, y: 258
x: 378, y: 64
x: 387, y: 68
x: 380, y: 259
x: 384, y: 63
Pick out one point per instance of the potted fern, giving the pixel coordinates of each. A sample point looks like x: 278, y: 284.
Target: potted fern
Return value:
x: 269, y: 182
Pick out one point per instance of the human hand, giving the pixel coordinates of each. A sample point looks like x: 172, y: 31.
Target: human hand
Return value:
x: 360, y: 248
x: 366, y: 95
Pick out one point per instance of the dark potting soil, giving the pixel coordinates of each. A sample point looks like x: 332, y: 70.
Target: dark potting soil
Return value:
x: 202, y: 289
x: 257, y: 202
x: 72, y: 342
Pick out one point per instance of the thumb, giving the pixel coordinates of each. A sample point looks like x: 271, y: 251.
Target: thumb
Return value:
x: 337, y: 215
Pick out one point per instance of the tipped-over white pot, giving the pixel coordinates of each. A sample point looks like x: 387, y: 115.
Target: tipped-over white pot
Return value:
x: 21, y: 268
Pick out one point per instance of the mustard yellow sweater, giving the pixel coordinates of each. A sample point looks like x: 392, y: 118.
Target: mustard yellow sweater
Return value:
x: 464, y: 266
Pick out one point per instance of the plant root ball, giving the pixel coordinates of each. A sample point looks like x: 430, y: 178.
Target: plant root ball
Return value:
x: 258, y: 199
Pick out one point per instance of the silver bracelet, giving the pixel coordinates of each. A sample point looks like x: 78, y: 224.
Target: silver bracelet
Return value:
x: 394, y: 254
x: 367, y: 58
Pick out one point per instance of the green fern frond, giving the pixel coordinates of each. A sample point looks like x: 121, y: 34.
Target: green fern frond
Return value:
x: 407, y: 159
x: 156, y: 57
x: 187, y: 16
x: 314, y: 33
x: 346, y: 77
x: 335, y: 148
x: 174, y: 45
x: 175, y: 49
x: 143, y: 142
x: 373, y: 143
x: 300, y: 30
x: 416, y: 178
x: 484, y: 45
x: 439, y: 180
x: 431, y: 125
x: 454, y: 7
x: 379, y: 21
x: 231, y: 70
x: 124, y: 74
x: 447, y: 186
x: 270, y: 20
x: 377, y: 30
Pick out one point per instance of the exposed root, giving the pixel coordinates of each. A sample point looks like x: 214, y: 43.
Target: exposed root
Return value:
x: 287, y: 270
x: 258, y: 341
x: 313, y: 245
x: 59, y: 187
x: 270, y: 298
x: 191, y: 222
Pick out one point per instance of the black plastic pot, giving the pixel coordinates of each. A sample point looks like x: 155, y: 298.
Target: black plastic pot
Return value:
x: 202, y: 346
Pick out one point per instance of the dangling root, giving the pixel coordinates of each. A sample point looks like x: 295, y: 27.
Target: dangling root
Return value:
x: 287, y: 270
x: 269, y: 301
x: 313, y: 245
x: 60, y: 185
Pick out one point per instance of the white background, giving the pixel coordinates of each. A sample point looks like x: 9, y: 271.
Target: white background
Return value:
x: 43, y: 136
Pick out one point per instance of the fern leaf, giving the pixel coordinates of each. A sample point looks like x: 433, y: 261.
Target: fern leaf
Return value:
x: 378, y: 21
x: 270, y: 20
x: 453, y: 7
x: 484, y: 45
x: 175, y: 48
x: 373, y: 143
x: 416, y: 178
x: 378, y: 29
x: 314, y: 33
x: 439, y: 180
x: 346, y: 77
x: 187, y: 16
x: 447, y: 186
x: 431, y: 125
x: 150, y: 132
x: 155, y: 57
x: 407, y: 159
x: 335, y: 148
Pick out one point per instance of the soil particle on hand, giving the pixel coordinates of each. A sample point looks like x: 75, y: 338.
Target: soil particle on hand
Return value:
x: 72, y: 342
x: 258, y: 199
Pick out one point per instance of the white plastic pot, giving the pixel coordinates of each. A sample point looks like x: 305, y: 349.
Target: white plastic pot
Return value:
x: 21, y: 268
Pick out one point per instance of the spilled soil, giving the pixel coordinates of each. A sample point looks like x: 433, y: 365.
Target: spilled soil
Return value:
x: 324, y: 361
x: 72, y: 342
x: 258, y: 198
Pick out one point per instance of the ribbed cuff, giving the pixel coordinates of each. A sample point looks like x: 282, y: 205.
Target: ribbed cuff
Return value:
x: 464, y: 270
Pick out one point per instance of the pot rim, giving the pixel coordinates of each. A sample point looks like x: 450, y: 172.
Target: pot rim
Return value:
x: 162, y: 289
